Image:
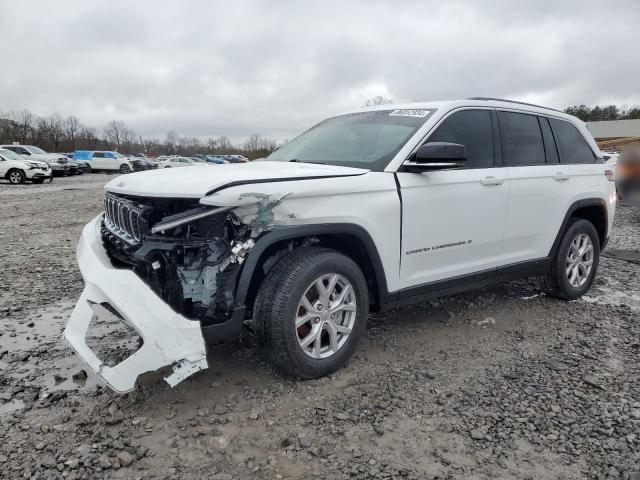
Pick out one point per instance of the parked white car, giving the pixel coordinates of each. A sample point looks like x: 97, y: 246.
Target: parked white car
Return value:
x: 107, y: 160
x: 59, y: 163
x: 364, y: 211
x: 174, y: 162
x: 17, y: 169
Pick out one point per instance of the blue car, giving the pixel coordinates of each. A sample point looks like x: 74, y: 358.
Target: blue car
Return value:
x: 215, y: 159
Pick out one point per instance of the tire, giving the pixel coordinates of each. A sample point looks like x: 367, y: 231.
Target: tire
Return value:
x: 37, y: 181
x: 558, y: 282
x: 124, y: 168
x: 16, y: 177
x: 278, y: 303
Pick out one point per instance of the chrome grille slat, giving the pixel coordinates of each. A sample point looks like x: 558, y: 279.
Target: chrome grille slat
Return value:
x: 122, y: 218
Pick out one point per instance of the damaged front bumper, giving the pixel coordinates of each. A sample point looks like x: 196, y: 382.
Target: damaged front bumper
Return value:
x: 168, y: 337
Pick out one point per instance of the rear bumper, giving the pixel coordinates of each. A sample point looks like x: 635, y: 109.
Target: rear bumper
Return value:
x: 168, y: 337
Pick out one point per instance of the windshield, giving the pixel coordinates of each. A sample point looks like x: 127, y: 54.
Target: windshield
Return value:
x: 118, y: 155
x: 35, y: 150
x: 9, y: 155
x: 366, y: 139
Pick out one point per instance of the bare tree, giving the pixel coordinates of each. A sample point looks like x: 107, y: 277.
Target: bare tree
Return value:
x: 128, y: 136
x: 25, y: 124
x: 377, y: 100
x: 71, y: 126
x: 224, y: 145
x: 253, y: 142
x: 171, y: 140
x: 113, y: 133
x: 54, y: 131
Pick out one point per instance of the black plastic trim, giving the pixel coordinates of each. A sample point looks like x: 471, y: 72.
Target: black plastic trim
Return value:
x: 497, y: 139
x: 399, y: 188
x: 468, y: 282
x: 587, y: 202
x: 272, y: 180
x: 226, y: 331
x: 290, y: 233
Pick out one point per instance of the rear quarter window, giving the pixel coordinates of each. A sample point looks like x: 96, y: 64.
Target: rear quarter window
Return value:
x: 572, y: 145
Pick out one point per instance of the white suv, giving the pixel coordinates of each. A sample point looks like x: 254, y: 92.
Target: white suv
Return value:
x: 17, y: 169
x: 364, y: 211
x: 175, y: 162
x: 58, y: 163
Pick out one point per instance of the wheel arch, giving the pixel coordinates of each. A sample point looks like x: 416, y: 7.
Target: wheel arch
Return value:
x: 14, y: 169
x: 350, y: 239
x: 591, y: 209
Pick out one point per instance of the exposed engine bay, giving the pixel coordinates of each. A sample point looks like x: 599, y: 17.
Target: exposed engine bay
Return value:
x: 189, y: 254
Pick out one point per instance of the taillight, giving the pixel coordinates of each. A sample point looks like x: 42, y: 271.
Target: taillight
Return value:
x: 610, y: 174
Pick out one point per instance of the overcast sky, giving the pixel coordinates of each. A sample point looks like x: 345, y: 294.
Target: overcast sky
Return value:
x: 209, y: 68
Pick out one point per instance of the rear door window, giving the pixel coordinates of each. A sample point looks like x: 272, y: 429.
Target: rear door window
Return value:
x: 473, y: 129
x: 572, y: 145
x: 521, y: 139
x: 98, y: 155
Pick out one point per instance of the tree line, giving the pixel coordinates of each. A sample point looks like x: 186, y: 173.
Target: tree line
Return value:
x: 607, y: 112
x: 56, y: 133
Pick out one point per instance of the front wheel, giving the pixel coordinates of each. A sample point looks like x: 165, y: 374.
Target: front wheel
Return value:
x: 574, y: 266
x: 124, y: 168
x: 16, y: 177
x: 311, y: 311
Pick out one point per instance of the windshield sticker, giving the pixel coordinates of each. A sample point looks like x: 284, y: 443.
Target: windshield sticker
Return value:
x: 420, y: 113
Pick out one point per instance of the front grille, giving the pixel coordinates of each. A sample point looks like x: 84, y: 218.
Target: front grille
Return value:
x: 123, y: 218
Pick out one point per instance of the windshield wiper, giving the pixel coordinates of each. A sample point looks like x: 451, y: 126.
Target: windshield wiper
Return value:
x: 297, y: 160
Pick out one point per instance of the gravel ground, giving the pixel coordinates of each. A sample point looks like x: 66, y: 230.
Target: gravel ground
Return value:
x: 502, y: 383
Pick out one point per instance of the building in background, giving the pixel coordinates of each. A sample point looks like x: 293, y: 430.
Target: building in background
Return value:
x: 613, y: 135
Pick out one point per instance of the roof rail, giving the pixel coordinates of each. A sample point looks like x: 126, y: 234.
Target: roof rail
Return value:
x: 514, y: 101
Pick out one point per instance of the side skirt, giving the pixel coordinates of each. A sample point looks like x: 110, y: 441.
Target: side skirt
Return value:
x: 465, y: 283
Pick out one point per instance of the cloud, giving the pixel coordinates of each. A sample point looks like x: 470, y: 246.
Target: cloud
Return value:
x: 233, y: 68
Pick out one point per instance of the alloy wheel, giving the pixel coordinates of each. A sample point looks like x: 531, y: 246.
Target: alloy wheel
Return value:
x: 15, y: 177
x: 579, y: 260
x: 325, y: 316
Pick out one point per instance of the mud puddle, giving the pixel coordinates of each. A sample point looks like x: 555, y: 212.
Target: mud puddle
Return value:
x: 614, y: 293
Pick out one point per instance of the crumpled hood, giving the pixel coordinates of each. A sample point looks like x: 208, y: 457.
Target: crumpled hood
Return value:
x: 198, y: 181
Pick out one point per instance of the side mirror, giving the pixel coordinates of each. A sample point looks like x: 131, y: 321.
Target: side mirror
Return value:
x: 437, y: 156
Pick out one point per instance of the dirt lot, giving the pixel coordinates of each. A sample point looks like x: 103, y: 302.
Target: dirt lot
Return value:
x: 500, y: 383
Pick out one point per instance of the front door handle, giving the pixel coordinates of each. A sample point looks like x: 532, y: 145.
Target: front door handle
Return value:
x: 561, y: 177
x: 491, y: 181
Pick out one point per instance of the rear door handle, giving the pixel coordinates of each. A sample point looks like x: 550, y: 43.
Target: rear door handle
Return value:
x: 561, y: 177
x: 491, y: 181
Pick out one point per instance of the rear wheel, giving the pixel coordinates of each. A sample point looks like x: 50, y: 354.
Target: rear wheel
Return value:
x: 16, y: 177
x: 311, y: 311
x: 576, y: 261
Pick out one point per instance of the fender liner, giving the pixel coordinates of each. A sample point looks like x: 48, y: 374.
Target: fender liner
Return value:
x: 587, y: 202
x: 232, y: 327
x: 291, y: 233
